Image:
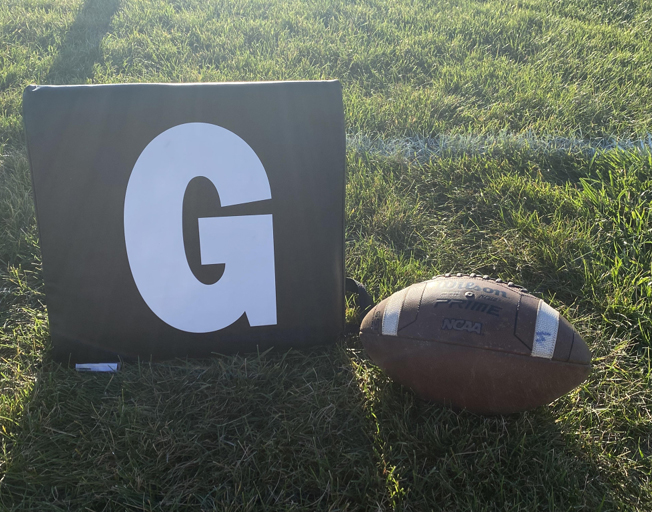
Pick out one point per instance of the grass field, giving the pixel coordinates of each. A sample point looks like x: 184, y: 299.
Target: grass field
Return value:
x: 510, y: 138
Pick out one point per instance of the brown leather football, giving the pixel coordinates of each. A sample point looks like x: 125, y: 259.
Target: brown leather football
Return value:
x: 474, y: 343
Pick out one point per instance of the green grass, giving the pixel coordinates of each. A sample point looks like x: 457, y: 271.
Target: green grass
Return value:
x: 408, y: 67
x: 481, y: 139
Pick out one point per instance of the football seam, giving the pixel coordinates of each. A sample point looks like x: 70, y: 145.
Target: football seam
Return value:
x: 518, y: 309
x: 418, y: 310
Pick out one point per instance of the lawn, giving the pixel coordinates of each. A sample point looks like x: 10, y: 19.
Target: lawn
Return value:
x: 509, y: 138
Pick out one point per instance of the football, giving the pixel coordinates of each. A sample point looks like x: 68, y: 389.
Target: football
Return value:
x: 475, y: 343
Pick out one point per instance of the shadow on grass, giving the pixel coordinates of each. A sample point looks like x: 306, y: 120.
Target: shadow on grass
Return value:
x: 309, y: 430
x: 273, y: 432
x: 444, y: 460
x: 81, y: 49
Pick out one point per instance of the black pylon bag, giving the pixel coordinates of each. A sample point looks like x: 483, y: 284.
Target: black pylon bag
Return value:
x: 187, y: 220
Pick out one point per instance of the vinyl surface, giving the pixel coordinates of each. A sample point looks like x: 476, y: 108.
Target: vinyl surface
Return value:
x: 84, y: 143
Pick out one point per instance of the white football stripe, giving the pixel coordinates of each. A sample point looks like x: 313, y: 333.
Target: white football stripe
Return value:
x: 545, y: 331
x: 393, y: 313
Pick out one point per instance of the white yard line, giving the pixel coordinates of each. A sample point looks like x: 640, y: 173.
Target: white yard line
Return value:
x: 423, y: 149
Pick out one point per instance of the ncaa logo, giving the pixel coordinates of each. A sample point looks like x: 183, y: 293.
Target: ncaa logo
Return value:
x: 244, y: 244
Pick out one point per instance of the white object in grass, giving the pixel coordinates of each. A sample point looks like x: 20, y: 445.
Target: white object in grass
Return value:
x: 98, y: 367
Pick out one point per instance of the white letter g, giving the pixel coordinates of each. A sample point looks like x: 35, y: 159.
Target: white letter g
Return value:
x: 154, y: 231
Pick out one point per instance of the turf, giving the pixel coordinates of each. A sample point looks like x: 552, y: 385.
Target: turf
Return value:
x: 507, y: 138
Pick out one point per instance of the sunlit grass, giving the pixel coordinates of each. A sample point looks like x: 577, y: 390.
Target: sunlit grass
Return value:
x: 482, y: 138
